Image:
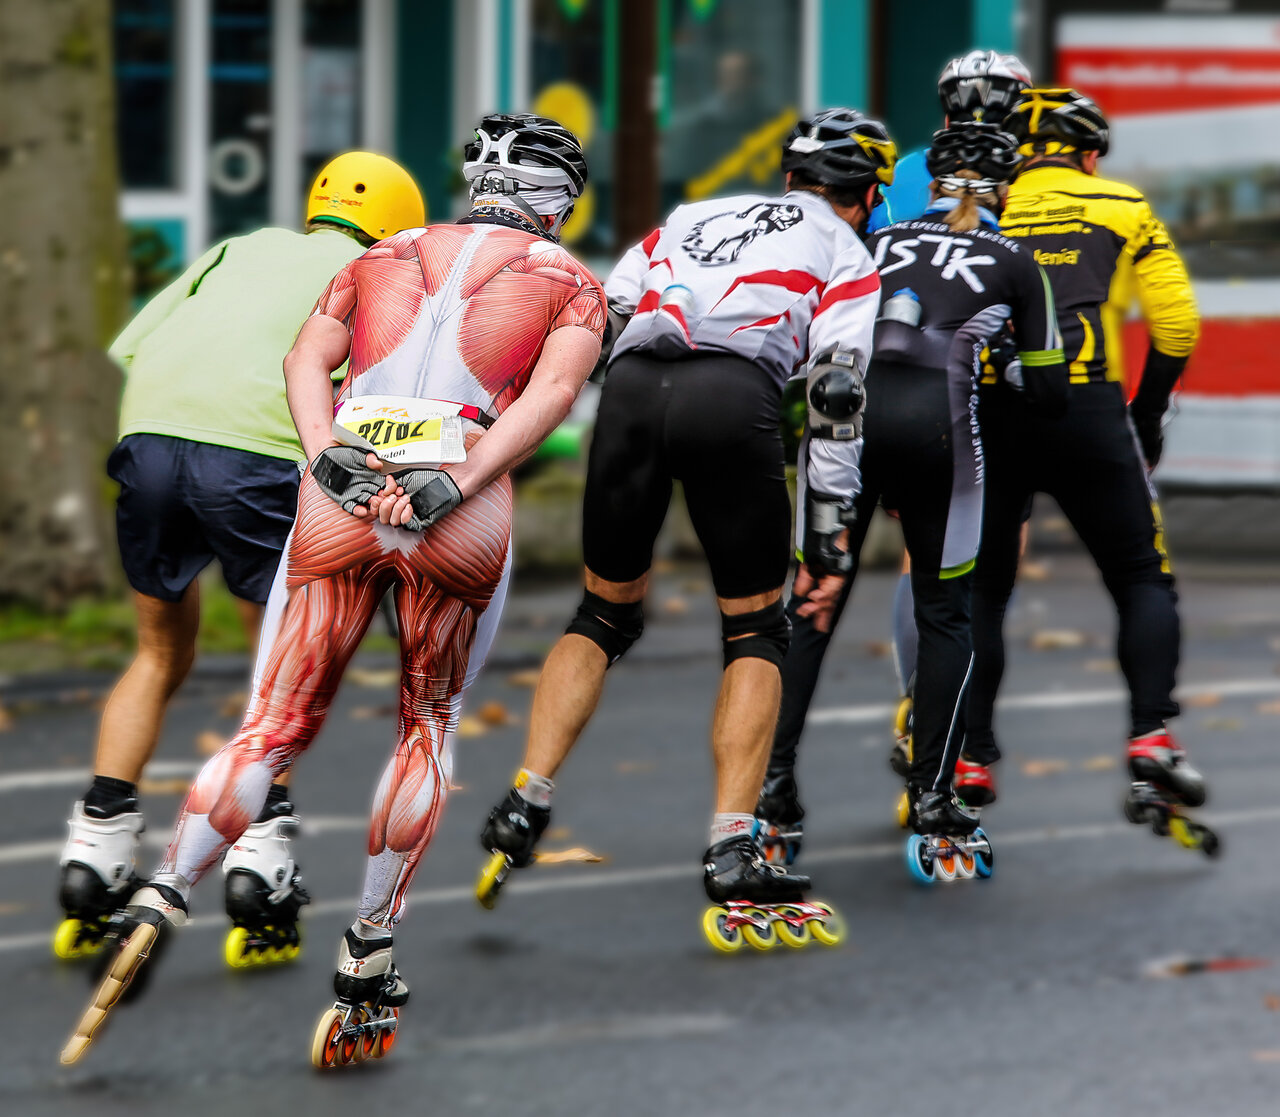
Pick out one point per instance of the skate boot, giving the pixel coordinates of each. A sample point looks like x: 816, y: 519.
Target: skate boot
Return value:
x: 778, y: 817
x: 760, y: 904
x: 1163, y: 785
x: 975, y: 784
x: 900, y: 756
x: 264, y: 893
x: 513, y: 829
x: 948, y: 844
x: 97, y: 878
x: 363, y: 1020
x: 137, y: 932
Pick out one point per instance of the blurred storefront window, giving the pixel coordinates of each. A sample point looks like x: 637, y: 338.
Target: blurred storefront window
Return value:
x: 331, y: 77
x: 146, y: 92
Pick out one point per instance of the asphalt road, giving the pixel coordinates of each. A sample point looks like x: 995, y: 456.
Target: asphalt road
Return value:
x: 590, y: 989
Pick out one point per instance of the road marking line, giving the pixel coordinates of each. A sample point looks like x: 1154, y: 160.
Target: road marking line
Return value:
x: 70, y: 777
x: 619, y: 878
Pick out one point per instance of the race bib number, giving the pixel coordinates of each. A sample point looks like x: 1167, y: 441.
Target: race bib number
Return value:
x: 402, y: 430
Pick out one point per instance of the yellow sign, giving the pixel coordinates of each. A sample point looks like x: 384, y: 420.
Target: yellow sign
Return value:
x: 567, y: 104
x: 757, y: 157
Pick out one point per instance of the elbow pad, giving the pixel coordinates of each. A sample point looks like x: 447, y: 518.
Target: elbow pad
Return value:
x: 615, y: 323
x: 836, y: 395
x: 825, y: 519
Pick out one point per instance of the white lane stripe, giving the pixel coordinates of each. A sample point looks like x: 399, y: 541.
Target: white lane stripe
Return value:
x: 71, y: 777
x: 619, y: 878
x: 1053, y: 700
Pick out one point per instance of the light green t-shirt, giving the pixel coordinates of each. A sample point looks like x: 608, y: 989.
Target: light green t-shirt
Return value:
x: 202, y: 359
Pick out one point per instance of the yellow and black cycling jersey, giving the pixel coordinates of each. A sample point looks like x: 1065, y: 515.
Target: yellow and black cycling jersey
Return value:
x: 1101, y: 246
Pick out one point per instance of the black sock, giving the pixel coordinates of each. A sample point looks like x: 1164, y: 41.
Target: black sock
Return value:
x: 108, y: 797
x: 277, y: 803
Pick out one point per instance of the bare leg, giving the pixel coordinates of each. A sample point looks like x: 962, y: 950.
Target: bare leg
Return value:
x: 746, y: 715
x: 131, y: 719
x: 570, y: 685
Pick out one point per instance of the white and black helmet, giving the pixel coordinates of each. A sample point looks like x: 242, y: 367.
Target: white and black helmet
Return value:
x: 982, y: 85
x: 527, y: 152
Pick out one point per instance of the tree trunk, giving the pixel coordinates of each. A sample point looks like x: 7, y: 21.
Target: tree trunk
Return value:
x: 62, y: 291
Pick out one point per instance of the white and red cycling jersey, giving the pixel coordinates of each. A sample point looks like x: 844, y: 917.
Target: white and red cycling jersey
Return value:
x: 777, y: 280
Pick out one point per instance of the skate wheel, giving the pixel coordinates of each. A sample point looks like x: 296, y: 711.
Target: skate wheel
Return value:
x: 1134, y: 810
x: 66, y: 940
x: 387, y: 1036
x: 795, y: 936
x: 325, y: 1044
x: 944, y: 864
x: 1183, y: 832
x: 829, y: 928
x: 235, y: 949
x: 348, y: 1044
x: 762, y: 938
x: 715, y: 926
x: 903, y: 811
x: 491, y: 877
x: 984, y: 860
x: 919, y: 863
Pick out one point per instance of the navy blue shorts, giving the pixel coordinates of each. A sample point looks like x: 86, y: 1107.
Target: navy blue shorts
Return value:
x: 183, y: 504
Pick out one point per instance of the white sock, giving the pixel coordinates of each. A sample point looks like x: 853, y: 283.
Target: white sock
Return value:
x: 725, y: 824
x: 534, y: 788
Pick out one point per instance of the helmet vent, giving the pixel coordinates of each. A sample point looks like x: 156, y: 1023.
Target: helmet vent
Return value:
x: 359, y: 187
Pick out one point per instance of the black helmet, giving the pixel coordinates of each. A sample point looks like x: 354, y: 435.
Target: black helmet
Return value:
x: 840, y: 148
x: 1049, y: 121
x: 982, y: 148
x: 981, y: 85
x: 527, y: 151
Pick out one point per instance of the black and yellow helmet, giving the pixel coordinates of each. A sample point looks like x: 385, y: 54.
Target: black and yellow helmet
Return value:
x: 984, y: 149
x: 1057, y: 121
x: 840, y: 148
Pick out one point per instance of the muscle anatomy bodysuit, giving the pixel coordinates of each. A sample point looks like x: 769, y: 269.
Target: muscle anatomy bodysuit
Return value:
x: 457, y: 313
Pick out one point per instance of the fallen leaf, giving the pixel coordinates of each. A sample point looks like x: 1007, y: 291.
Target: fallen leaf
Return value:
x: 675, y: 606
x: 1202, y: 701
x: 662, y: 566
x: 693, y: 585
x: 557, y: 834
x: 369, y: 713
x: 877, y: 649
x: 233, y: 704
x: 529, y: 677
x: 471, y: 726
x: 1099, y: 764
x: 209, y: 742
x: 12, y: 909
x: 1033, y: 571
x: 1055, y: 639
x: 1222, y: 724
x: 1036, y: 768
x: 6, y: 720
x: 1271, y: 1002
x: 163, y: 787
x: 1269, y: 707
x: 1101, y: 665
x: 1266, y: 1056
x: 494, y: 713
x: 565, y: 856
x: 379, y: 679
x: 634, y: 767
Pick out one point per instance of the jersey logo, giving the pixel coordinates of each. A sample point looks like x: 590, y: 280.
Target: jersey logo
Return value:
x: 720, y: 239
x: 950, y: 255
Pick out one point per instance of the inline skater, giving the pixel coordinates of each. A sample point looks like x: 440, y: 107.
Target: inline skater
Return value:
x: 949, y: 283
x: 208, y: 467
x: 418, y: 315
x: 980, y: 86
x: 726, y: 301
x: 1101, y: 246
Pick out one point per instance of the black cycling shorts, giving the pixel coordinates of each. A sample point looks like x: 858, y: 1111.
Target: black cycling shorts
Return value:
x: 711, y: 423
x: 183, y: 504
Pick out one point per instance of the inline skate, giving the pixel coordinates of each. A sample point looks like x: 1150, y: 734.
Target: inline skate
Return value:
x: 134, y: 934
x: 948, y: 844
x: 370, y: 993
x: 1163, y: 785
x: 96, y: 879
x: 759, y: 904
x: 510, y: 834
x: 975, y: 784
x: 778, y: 817
x: 264, y: 893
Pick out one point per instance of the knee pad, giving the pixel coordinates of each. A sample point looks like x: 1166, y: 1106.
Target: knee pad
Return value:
x: 764, y: 634
x: 612, y: 626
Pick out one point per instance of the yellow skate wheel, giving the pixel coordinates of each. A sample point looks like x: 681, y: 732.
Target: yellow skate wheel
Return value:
x: 66, y: 940
x: 900, y: 719
x: 904, y: 811
x: 1182, y: 833
x: 795, y: 937
x: 234, y: 950
x: 292, y: 951
x: 829, y: 930
x: 765, y: 939
x: 324, y: 1044
x: 387, y: 1036
x: 487, y: 885
x: 719, y: 934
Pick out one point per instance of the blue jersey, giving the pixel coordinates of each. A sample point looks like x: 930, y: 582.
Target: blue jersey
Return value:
x: 908, y: 197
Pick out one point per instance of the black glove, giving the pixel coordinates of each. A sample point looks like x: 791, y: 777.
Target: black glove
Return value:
x: 1159, y: 375
x: 342, y: 474
x: 1150, y: 437
x: 432, y: 495
x: 1001, y: 350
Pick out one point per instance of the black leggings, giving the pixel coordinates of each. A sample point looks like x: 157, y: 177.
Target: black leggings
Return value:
x: 1089, y: 462
x: 710, y: 422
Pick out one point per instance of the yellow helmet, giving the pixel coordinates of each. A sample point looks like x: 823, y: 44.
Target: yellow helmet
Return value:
x: 368, y: 192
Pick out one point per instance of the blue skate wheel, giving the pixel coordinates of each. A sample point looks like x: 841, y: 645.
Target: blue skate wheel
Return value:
x: 984, y: 861
x: 919, y: 864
